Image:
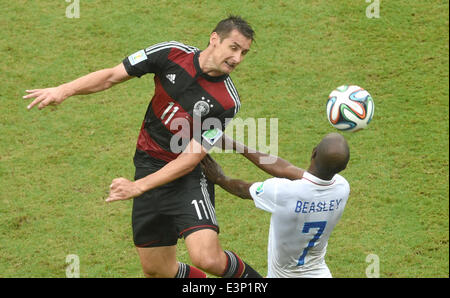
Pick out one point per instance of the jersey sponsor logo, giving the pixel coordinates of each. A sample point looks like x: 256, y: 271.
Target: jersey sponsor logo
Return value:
x: 137, y: 57
x: 212, y: 136
x: 260, y: 189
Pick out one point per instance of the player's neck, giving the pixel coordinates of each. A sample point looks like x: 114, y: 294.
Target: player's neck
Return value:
x: 205, y: 60
x: 315, y: 172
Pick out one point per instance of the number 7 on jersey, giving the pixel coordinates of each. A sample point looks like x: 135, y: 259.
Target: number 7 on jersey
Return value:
x: 306, y: 227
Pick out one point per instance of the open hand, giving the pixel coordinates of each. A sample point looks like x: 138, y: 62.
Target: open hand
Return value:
x: 45, y: 97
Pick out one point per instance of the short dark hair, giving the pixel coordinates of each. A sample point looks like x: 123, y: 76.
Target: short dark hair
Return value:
x: 224, y: 27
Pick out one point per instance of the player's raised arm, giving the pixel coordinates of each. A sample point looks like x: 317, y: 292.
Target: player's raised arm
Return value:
x: 273, y: 165
x: 90, y: 83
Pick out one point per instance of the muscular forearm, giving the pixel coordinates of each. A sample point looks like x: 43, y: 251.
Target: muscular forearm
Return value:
x: 273, y: 165
x: 182, y: 165
x: 215, y: 174
x: 234, y: 186
x: 91, y: 83
x: 123, y: 189
x: 171, y: 171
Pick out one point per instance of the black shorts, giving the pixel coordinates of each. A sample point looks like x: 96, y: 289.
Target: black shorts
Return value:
x: 174, y: 210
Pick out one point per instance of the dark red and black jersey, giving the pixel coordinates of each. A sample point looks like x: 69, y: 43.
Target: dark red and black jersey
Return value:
x: 187, y: 103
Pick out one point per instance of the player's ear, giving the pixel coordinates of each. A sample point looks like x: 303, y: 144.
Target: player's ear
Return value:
x: 214, y: 38
x: 314, y: 153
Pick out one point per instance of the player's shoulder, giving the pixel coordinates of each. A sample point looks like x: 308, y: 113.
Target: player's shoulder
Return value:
x: 276, y: 180
x: 340, y: 180
x: 168, y: 45
x: 283, y: 185
x: 271, y: 184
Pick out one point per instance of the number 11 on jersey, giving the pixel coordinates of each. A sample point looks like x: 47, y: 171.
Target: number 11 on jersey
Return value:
x: 174, y: 110
x: 320, y: 225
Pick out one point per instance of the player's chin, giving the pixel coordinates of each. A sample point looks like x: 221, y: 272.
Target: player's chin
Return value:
x: 227, y: 68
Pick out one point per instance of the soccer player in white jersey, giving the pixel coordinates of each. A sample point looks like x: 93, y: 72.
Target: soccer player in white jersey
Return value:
x: 305, y: 207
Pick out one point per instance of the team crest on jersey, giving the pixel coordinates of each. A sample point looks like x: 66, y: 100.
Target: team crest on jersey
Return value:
x: 202, y: 107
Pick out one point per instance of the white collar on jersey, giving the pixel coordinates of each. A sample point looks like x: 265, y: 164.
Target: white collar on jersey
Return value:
x: 313, y: 179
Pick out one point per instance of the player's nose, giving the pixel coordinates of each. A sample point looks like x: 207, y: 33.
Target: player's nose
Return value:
x: 237, y: 58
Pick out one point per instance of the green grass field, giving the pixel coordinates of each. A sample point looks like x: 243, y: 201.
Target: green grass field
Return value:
x: 56, y: 164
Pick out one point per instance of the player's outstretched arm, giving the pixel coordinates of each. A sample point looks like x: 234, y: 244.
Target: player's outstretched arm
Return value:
x: 90, y: 83
x: 123, y: 189
x: 214, y: 173
x: 273, y: 165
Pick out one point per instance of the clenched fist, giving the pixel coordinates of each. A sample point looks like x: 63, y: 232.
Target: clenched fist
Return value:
x: 123, y: 189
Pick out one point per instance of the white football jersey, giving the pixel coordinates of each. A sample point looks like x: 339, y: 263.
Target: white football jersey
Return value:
x: 304, y: 213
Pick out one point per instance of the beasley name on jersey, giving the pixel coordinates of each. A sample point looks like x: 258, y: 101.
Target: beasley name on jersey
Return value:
x: 321, y: 206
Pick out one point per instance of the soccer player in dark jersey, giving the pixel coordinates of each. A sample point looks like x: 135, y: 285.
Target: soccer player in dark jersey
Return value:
x: 194, y: 99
